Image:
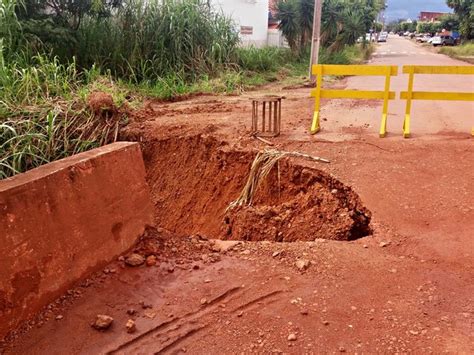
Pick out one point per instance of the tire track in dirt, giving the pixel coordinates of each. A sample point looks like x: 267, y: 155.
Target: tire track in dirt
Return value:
x: 171, y: 333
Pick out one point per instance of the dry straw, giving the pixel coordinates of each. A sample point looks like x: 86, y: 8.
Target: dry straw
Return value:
x: 261, y: 167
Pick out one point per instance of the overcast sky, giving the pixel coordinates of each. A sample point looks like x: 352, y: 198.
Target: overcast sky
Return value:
x: 411, y: 8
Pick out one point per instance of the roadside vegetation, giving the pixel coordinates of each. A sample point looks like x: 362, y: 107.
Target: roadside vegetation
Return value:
x: 463, y: 52
x: 53, y: 57
x: 462, y: 21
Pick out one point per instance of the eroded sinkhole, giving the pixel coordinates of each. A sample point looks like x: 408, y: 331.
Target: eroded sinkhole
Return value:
x: 194, y: 179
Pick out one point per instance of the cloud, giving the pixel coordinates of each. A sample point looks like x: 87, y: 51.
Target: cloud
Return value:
x: 411, y: 8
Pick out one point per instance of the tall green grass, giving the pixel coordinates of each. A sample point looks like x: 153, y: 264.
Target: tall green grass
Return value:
x: 44, y: 114
x: 464, y: 52
x: 145, y: 40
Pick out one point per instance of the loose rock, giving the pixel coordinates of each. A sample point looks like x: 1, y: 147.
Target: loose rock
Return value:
x: 302, y: 264
x: 102, y: 322
x: 131, y: 326
x: 145, y: 305
x: 224, y: 245
x: 151, y: 260
x: 292, y: 337
x: 134, y: 260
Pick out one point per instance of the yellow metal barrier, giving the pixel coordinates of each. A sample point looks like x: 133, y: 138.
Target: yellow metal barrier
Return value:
x: 411, y: 95
x: 361, y: 70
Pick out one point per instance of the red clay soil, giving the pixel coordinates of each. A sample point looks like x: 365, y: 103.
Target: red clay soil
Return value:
x: 301, y: 204
x: 102, y: 104
x: 407, y: 288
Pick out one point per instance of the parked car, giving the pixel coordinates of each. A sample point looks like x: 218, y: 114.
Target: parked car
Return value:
x: 382, y: 37
x: 443, y: 41
x: 370, y: 37
x: 423, y: 39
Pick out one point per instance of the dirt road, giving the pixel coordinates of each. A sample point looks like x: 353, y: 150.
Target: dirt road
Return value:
x: 406, y: 288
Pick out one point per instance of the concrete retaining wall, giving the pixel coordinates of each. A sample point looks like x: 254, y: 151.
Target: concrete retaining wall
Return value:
x: 64, y: 220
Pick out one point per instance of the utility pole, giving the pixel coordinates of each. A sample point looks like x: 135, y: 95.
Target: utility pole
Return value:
x: 316, y: 41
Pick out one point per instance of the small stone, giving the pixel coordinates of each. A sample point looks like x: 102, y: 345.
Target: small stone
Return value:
x: 275, y: 254
x: 246, y: 252
x: 195, y: 267
x: 207, y: 281
x: 304, y: 312
x: 325, y: 322
x: 131, y: 312
x: 224, y: 245
x: 292, y: 337
x: 151, y: 260
x: 203, y: 301
x: 59, y: 317
x: 121, y: 258
x: 134, y: 260
x: 353, y: 308
x: 413, y: 332
x: 334, y: 191
x: 131, y: 326
x: 102, y: 322
x: 145, y: 305
x: 384, y: 244
x: 342, y: 349
x: 302, y: 264
x: 365, y: 246
x: 240, y: 314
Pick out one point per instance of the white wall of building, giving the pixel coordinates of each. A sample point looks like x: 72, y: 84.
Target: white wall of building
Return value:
x: 276, y: 38
x: 249, y: 15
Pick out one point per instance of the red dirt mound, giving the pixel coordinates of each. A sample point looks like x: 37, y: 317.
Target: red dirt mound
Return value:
x: 102, y: 104
x: 303, y: 204
x: 308, y: 204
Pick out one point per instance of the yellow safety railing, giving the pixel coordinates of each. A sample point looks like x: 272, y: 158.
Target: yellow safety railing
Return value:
x: 360, y: 70
x: 411, y: 95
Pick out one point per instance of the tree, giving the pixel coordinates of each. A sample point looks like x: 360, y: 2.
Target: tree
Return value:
x: 464, y: 9
x: 429, y: 27
x: 450, y: 22
x: 343, y: 21
x: 296, y: 21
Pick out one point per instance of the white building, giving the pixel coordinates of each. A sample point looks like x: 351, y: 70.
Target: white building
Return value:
x: 251, y: 18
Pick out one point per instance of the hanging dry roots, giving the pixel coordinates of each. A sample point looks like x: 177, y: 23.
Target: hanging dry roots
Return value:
x: 261, y: 167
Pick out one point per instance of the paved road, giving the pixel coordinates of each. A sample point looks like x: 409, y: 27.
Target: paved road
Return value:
x: 428, y: 117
